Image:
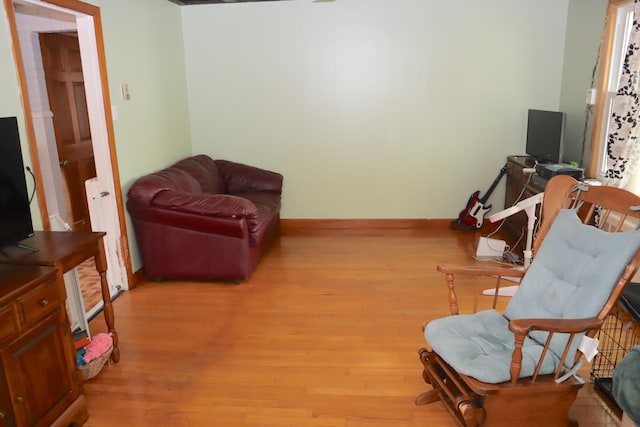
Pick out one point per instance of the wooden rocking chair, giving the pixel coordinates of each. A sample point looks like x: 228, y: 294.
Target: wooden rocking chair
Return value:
x: 519, y: 368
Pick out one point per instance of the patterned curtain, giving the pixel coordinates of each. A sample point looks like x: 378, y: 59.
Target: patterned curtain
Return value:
x: 623, y: 144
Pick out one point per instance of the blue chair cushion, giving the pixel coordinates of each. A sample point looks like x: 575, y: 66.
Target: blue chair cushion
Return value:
x: 572, y: 276
x: 480, y: 345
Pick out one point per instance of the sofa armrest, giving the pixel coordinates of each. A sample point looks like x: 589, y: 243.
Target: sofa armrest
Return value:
x: 223, y: 205
x: 224, y: 226
x: 241, y: 178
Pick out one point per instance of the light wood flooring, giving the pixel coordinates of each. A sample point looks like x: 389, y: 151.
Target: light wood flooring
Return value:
x: 89, y: 284
x: 325, y: 333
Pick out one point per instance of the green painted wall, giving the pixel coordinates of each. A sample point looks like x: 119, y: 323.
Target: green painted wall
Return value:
x: 584, y: 27
x: 10, y: 103
x: 144, y: 48
x: 372, y: 108
x: 10, y: 100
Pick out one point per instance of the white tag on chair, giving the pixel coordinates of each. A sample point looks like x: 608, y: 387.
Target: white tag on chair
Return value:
x: 589, y: 347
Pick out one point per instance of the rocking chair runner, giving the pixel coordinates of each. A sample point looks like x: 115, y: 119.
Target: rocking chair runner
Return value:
x: 495, y: 369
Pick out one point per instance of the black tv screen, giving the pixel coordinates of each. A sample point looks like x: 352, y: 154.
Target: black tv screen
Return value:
x: 15, y: 215
x: 545, y: 134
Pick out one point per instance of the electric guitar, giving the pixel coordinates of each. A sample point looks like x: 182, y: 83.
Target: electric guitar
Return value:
x: 472, y: 216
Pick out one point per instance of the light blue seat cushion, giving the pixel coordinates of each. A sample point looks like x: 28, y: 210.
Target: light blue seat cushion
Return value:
x: 480, y: 345
x: 571, y: 277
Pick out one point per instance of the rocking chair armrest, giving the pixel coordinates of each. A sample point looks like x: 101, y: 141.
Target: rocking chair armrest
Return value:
x: 522, y: 327
x: 479, y: 270
x: 568, y: 326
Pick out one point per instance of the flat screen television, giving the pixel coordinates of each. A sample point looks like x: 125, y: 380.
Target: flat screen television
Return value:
x: 15, y: 216
x: 545, y: 135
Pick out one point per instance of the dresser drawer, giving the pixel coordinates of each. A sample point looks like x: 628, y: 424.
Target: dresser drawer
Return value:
x: 8, y: 324
x: 40, y: 301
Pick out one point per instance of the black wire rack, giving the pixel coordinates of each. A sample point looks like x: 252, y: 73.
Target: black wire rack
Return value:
x: 617, y: 335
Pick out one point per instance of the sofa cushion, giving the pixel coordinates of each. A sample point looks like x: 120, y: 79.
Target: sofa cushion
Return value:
x: 269, y: 202
x: 268, y: 208
x: 205, y: 171
x: 240, y: 178
x: 258, y: 209
x: 224, y: 205
x: 146, y: 188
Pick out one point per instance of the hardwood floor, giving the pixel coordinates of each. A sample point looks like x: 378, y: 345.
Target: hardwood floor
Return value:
x: 325, y: 333
x: 89, y: 284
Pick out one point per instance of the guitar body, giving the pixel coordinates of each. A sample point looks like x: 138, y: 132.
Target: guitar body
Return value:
x: 472, y: 216
x: 478, y: 212
x: 465, y: 219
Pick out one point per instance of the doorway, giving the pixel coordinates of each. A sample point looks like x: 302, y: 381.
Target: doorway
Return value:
x: 64, y: 80
x: 27, y: 20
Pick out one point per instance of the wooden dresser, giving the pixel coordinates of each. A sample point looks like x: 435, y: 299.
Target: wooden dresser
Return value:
x: 39, y: 382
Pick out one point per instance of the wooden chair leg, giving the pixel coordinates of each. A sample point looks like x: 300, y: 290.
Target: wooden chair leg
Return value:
x: 460, y: 402
x: 427, y: 397
x: 423, y: 353
x: 431, y: 395
x: 425, y: 377
x: 472, y: 415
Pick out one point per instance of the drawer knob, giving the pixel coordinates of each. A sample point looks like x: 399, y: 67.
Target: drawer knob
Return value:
x: 1, y: 415
x: 19, y: 399
x: 44, y: 302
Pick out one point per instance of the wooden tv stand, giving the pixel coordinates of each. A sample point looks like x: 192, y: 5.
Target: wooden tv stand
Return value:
x: 40, y: 384
x: 65, y: 250
x: 519, y: 187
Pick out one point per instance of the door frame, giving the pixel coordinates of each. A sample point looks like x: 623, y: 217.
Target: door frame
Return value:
x: 90, y: 37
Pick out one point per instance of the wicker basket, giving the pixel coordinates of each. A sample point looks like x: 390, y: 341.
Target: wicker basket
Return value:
x: 93, y: 368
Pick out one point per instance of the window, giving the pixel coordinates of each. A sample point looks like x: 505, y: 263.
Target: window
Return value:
x: 614, y: 45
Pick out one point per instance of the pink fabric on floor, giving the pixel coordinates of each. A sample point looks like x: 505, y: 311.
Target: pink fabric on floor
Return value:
x: 97, y: 347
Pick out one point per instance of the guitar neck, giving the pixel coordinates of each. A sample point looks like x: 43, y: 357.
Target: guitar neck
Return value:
x: 493, y: 186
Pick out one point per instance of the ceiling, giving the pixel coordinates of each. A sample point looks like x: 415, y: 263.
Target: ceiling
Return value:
x: 189, y: 2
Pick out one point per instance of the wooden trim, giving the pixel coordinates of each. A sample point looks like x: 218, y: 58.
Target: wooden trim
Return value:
x: 288, y: 225
x: 94, y: 11
x: 603, y: 80
x: 124, y: 240
x: 28, y: 121
x: 137, y: 277
x: 76, y: 5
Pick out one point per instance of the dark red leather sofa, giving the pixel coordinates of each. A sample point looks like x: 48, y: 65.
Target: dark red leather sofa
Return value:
x: 205, y: 219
